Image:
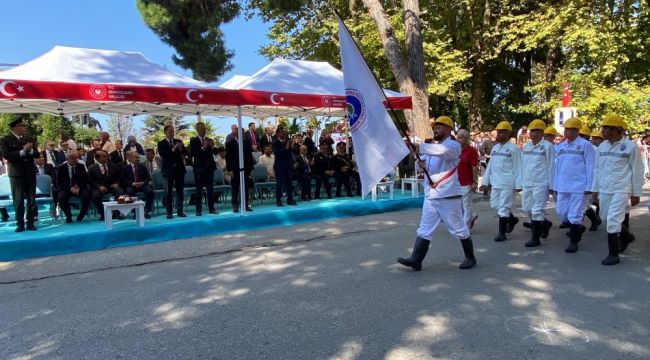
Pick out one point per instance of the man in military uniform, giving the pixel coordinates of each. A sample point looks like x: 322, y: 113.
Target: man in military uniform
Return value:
x: 572, y: 179
x: 344, y: 167
x: 20, y: 151
x: 323, y: 170
x: 503, y: 174
x: 537, y: 158
x: 618, y: 180
x: 442, y: 201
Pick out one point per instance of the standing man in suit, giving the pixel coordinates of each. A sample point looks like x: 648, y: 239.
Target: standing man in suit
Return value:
x: 136, y: 178
x: 283, y: 167
x: 104, y: 178
x: 203, y: 153
x: 267, y: 139
x: 19, y: 150
x: 72, y: 180
x: 302, y: 172
x: 172, y: 152
x: 118, y: 156
x: 309, y: 142
x: 232, y: 165
x: 253, y: 137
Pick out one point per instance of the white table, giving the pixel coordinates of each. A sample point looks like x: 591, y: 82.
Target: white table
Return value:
x: 390, y: 185
x: 415, y: 185
x: 124, y: 209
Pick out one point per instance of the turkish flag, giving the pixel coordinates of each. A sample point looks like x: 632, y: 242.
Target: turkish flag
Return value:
x: 566, y: 96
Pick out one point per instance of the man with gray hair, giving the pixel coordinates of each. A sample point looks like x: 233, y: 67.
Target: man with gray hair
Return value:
x: 106, y: 143
x: 467, y: 175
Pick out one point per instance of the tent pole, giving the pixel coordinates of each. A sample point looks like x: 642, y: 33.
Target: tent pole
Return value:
x: 242, y: 174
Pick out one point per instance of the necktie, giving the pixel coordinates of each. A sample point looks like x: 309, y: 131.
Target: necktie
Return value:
x: 268, y: 138
x: 104, y: 171
x: 135, y: 173
x: 73, y: 180
x: 52, y: 158
x: 253, y: 139
x: 121, y: 157
x: 171, y: 143
x: 202, y: 142
x: 307, y: 162
x: 150, y: 166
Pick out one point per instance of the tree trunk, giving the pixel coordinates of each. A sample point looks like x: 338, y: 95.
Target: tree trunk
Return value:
x: 552, y: 65
x: 475, y: 117
x: 415, y: 86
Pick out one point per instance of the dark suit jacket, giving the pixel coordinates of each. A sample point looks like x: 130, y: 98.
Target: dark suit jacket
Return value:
x: 232, y: 156
x: 128, y: 178
x: 63, y: 182
x: 97, y: 179
x: 115, y: 158
x: 138, y: 148
x: 203, y: 159
x: 249, y: 137
x: 49, y: 170
x: 322, y: 163
x: 172, y: 160
x: 18, y: 165
x: 283, y: 157
x: 90, y: 158
x: 309, y: 143
x: 300, y: 166
x: 265, y: 141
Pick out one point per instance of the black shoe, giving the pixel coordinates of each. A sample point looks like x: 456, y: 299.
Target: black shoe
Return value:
x: 350, y: 195
x: 419, y: 252
x: 147, y: 215
x: 316, y: 197
x: 213, y: 211
x: 181, y: 214
x: 278, y: 204
x: 291, y: 202
x: 235, y: 210
x: 68, y: 220
x: 198, y: 213
x: 613, y: 242
x: 536, y: 234
x: 545, y: 229
x: 512, y: 221
x: 468, y: 249
x: 101, y: 218
x: 31, y: 227
x: 503, y: 224
x: 565, y: 225
x: 338, y: 195
x: 170, y: 216
x: 527, y: 225
x: 80, y: 218
x: 593, y: 217
x: 20, y: 228
x: 248, y: 208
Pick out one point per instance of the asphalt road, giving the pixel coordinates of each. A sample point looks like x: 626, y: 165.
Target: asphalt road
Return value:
x: 332, y: 291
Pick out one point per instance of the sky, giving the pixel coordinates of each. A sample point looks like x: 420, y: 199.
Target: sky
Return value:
x: 32, y: 27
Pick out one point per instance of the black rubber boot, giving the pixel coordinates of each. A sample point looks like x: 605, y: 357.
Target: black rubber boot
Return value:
x: 575, y: 235
x: 527, y: 225
x: 512, y: 221
x: 565, y: 225
x: 546, y: 227
x: 536, y: 226
x: 614, y: 242
x: 595, y: 221
x: 419, y: 252
x: 503, y: 224
x: 468, y: 249
x: 626, y: 236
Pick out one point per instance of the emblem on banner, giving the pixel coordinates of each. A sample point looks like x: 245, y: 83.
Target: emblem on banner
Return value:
x: 10, y: 91
x: 98, y: 91
x: 356, y: 108
x: 326, y: 101
x: 623, y: 147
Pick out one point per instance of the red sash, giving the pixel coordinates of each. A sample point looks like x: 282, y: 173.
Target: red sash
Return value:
x: 445, y: 177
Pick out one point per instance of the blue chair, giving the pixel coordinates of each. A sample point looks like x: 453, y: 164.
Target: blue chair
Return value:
x: 44, y: 193
x: 261, y: 181
x: 158, y: 189
x: 6, y: 200
x: 220, y: 184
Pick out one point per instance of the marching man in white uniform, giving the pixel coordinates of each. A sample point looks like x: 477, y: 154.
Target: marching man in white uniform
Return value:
x: 503, y: 174
x: 618, y: 179
x: 572, y: 179
x: 442, y: 201
x: 537, y: 158
x: 590, y: 213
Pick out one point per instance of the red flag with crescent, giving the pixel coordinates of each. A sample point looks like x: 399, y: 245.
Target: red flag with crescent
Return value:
x: 566, y: 96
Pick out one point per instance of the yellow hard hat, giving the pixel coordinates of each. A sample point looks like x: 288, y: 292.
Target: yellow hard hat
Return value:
x: 585, y: 130
x: 573, y: 123
x: 445, y: 120
x: 550, y: 131
x: 504, y: 125
x: 614, y: 121
x: 537, y: 124
x: 596, y: 133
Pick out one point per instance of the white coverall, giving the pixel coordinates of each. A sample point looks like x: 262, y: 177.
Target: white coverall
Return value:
x: 536, y: 177
x: 443, y: 202
x: 572, y: 177
x: 504, y: 175
x: 618, y: 175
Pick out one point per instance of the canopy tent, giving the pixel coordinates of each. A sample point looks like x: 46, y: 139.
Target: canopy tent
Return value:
x: 67, y: 81
x: 298, y: 88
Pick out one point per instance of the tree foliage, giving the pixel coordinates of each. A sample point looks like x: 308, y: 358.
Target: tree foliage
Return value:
x: 154, y: 126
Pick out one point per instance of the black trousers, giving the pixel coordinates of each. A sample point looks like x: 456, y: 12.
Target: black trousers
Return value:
x: 283, y: 180
x: 204, y: 180
x: 320, y: 180
x: 176, y: 181
x: 344, y: 179
x: 97, y: 197
x: 64, y: 198
x: 23, y: 189
x: 234, y: 189
x: 305, y: 185
x: 147, y: 190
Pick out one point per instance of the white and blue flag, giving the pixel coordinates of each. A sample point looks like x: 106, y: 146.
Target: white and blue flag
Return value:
x: 378, y: 146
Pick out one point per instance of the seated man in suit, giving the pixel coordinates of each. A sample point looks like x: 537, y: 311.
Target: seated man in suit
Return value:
x: 323, y: 170
x: 118, y: 156
x: 136, y: 179
x: 90, y: 155
x: 344, y: 167
x: 72, y: 180
x: 151, y: 161
x: 302, y: 172
x: 104, y: 179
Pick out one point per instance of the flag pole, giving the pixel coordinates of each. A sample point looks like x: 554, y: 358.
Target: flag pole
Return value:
x: 392, y: 112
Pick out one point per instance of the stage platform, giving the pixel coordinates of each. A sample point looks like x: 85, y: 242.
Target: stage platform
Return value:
x: 55, y: 238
